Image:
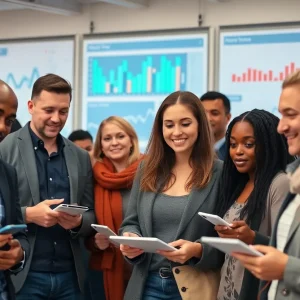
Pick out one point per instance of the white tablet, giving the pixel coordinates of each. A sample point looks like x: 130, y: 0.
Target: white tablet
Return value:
x: 148, y: 244
x: 70, y: 209
x: 214, y: 219
x: 102, y: 229
x: 230, y: 245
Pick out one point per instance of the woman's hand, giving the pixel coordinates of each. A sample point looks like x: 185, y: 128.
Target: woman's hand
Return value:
x: 101, y: 241
x: 186, y: 250
x: 238, y: 230
x: 128, y: 251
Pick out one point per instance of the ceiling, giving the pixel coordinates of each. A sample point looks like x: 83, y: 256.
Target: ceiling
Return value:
x: 64, y: 7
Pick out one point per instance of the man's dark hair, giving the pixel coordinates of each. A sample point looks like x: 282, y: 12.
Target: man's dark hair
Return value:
x: 213, y: 95
x: 51, y: 83
x: 79, y: 135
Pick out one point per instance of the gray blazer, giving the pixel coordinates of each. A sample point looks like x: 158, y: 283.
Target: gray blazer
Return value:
x: 138, y: 220
x: 17, y: 150
x: 289, y: 287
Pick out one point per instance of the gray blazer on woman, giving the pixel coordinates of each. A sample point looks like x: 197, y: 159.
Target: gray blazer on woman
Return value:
x: 138, y: 220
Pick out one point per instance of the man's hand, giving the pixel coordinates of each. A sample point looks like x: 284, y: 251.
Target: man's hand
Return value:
x: 271, y: 266
x: 186, y: 251
x: 41, y: 214
x: 13, y: 256
x: 68, y: 221
x: 4, y: 239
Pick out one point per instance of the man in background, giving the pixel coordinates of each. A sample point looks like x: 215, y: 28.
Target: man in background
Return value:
x: 51, y: 170
x: 82, y: 139
x: 11, y: 260
x: 217, y: 107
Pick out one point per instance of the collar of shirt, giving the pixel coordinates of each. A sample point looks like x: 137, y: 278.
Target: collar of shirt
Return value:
x: 219, y: 143
x: 38, y: 143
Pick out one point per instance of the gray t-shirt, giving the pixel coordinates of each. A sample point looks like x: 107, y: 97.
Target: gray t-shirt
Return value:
x: 166, y: 216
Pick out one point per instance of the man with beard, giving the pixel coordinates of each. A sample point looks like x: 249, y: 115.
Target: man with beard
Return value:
x: 51, y: 170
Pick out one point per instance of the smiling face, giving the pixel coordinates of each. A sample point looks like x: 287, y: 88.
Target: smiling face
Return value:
x: 49, y: 112
x: 242, y: 147
x: 180, y: 129
x: 289, y: 125
x: 115, y: 143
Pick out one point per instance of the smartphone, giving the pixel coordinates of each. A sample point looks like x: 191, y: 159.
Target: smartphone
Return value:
x: 103, y: 230
x: 214, y: 219
x: 12, y: 229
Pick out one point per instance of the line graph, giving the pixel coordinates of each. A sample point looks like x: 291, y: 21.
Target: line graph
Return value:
x: 139, y: 114
x: 25, y: 80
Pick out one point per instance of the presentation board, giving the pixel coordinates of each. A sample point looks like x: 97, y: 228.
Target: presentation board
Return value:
x: 253, y: 64
x: 130, y: 76
x: 24, y: 61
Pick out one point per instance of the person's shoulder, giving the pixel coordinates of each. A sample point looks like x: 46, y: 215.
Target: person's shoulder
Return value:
x: 9, y: 169
x: 80, y: 152
x: 280, y: 180
x: 218, y: 166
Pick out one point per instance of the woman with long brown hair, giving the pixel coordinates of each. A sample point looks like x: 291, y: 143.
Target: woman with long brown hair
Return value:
x: 115, y: 160
x: 178, y: 178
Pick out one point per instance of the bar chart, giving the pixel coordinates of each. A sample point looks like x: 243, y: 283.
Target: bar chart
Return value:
x: 255, y: 75
x: 136, y: 74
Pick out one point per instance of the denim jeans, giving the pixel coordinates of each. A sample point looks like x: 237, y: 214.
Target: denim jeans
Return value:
x: 158, y: 288
x: 50, y: 286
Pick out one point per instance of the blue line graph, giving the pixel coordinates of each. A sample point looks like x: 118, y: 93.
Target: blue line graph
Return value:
x: 24, y: 81
x: 139, y: 114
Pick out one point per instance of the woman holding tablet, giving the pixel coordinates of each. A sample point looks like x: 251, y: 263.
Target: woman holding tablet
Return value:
x: 115, y: 161
x: 253, y: 188
x: 178, y: 178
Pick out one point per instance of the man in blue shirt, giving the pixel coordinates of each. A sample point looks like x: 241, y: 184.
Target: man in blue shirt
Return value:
x: 51, y: 170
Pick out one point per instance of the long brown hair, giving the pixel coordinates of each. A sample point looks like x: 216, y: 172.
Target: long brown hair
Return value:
x: 160, y: 158
x: 134, y: 154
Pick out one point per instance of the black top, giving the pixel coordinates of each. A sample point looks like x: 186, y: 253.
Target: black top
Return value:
x: 52, y: 251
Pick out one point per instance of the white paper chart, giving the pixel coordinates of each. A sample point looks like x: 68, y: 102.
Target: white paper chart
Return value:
x: 130, y: 77
x: 253, y: 65
x: 22, y: 62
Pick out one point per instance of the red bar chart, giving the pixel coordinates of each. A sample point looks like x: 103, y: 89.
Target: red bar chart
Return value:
x: 255, y: 75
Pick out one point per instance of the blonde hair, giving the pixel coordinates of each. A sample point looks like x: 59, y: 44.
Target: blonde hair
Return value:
x: 134, y: 154
x: 291, y: 79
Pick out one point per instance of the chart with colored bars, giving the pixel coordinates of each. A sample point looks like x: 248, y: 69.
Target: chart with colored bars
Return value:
x: 253, y: 65
x: 42, y: 57
x: 131, y: 77
x: 137, y: 75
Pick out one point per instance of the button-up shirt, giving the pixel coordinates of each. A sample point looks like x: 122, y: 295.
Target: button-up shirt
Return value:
x: 52, y: 251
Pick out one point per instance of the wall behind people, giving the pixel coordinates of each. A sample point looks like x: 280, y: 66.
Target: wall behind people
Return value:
x: 160, y: 14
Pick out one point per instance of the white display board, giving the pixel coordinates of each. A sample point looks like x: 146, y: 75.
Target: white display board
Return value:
x: 22, y: 62
x: 129, y: 77
x: 253, y: 64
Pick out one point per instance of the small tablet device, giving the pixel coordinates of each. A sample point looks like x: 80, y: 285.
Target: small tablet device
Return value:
x: 70, y: 209
x: 12, y: 228
x: 214, y: 219
x: 102, y: 229
x: 148, y: 244
x: 230, y: 245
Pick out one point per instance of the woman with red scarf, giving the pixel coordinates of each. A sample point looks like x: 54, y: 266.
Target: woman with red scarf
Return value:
x: 115, y: 160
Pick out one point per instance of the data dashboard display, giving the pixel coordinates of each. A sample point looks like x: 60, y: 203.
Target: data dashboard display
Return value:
x: 130, y: 77
x: 253, y: 65
x: 23, y: 62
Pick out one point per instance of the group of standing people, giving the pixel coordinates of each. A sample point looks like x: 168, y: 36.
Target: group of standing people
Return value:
x: 157, y: 194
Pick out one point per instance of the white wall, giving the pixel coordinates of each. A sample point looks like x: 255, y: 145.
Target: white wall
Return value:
x: 161, y: 14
